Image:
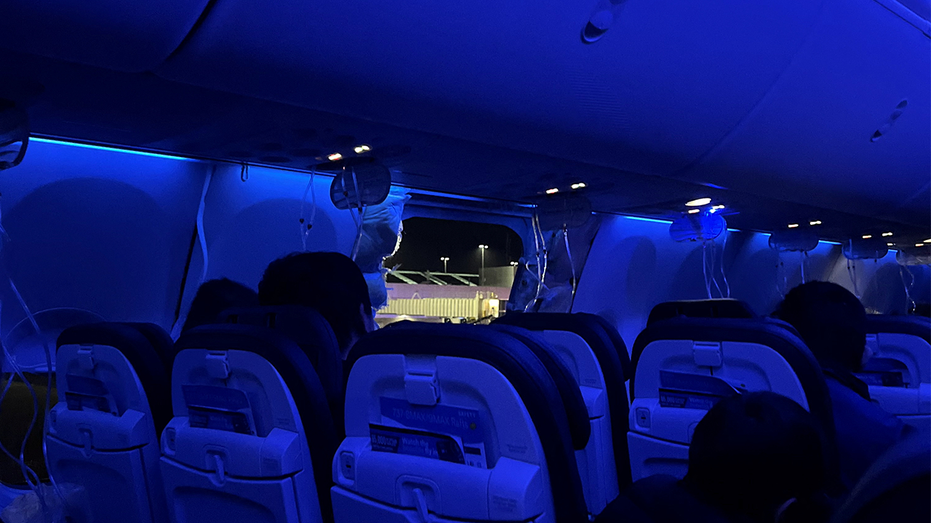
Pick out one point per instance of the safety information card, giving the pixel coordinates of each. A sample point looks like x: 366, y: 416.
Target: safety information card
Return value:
x: 442, y: 432
x: 692, y: 391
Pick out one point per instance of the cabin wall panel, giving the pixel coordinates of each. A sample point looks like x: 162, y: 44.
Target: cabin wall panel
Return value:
x: 249, y: 223
x: 96, y: 229
x: 634, y: 265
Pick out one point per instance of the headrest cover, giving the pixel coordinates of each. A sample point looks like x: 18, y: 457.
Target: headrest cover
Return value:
x: 305, y: 327
x: 719, y: 308
x: 576, y: 412
x: 887, y: 323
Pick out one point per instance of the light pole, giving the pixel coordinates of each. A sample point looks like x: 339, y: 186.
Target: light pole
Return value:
x: 481, y: 277
x: 444, y: 259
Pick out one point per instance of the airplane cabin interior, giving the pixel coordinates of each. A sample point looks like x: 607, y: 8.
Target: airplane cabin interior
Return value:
x: 578, y: 227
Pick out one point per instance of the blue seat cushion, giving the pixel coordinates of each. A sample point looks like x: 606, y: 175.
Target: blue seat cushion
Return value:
x: 576, y: 412
x: 914, y: 325
x: 312, y: 333
x: 611, y: 352
x: 718, y: 308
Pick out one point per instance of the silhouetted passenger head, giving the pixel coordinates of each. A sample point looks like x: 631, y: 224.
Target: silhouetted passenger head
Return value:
x: 755, y: 455
x: 214, y: 297
x: 831, y: 321
x: 329, y: 282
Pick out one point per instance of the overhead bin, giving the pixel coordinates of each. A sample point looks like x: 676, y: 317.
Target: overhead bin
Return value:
x: 849, y: 115
x: 128, y: 36
x: 663, y: 86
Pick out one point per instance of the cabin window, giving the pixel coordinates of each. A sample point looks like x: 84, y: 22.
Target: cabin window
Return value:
x: 448, y: 270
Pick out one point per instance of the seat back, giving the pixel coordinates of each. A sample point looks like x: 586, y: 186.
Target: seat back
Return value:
x: 684, y: 365
x: 895, y: 488
x: 658, y: 499
x: 252, y: 437
x: 714, y: 308
x: 598, y: 363
x: 899, y: 373
x: 103, y: 433
x: 453, y: 423
x: 312, y: 333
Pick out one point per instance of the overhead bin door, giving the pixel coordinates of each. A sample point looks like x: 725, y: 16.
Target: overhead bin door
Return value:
x: 815, y: 133
x: 664, y: 85
x: 125, y: 35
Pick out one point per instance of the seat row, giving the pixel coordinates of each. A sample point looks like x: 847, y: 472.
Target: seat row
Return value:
x: 525, y: 420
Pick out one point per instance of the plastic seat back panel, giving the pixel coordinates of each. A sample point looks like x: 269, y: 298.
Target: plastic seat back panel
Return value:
x: 683, y: 366
x: 467, y: 482
x: 102, y: 436
x: 237, y: 445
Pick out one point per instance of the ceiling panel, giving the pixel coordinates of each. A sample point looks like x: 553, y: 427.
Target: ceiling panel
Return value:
x: 664, y: 85
x: 131, y: 35
x: 814, y: 137
x: 149, y: 112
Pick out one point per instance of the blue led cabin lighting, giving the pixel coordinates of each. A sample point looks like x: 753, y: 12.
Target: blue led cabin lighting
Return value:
x: 109, y: 148
x: 653, y: 220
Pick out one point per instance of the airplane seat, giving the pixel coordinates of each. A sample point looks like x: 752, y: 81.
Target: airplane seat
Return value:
x: 252, y: 437
x: 599, y: 363
x: 782, y: 324
x: 683, y: 365
x: 713, y: 308
x: 894, y: 488
x: 620, y: 347
x: 569, y: 391
x: 589, y: 424
x: 659, y: 498
x: 159, y: 338
x: 313, y: 334
x: 899, y: 373
x: 453, y: 423
x: 103, y: 433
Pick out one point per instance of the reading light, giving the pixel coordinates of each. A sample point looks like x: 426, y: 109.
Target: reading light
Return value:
x: 694, y: 211
x: 793, y: 225
x: 887, y: 234
x: 718, y: 207
x: 919, y: 245
x: 335, y: 157
x: 890, y: 244
x: 867, y: 236
x: 579, y: 185
x: 928, y: 240
x: 359, y: 149
x: 698, y: 203
x: 814, y: 222
x: 552, y: 191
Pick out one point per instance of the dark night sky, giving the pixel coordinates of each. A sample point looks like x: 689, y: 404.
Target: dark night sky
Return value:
x: 425, y: 240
